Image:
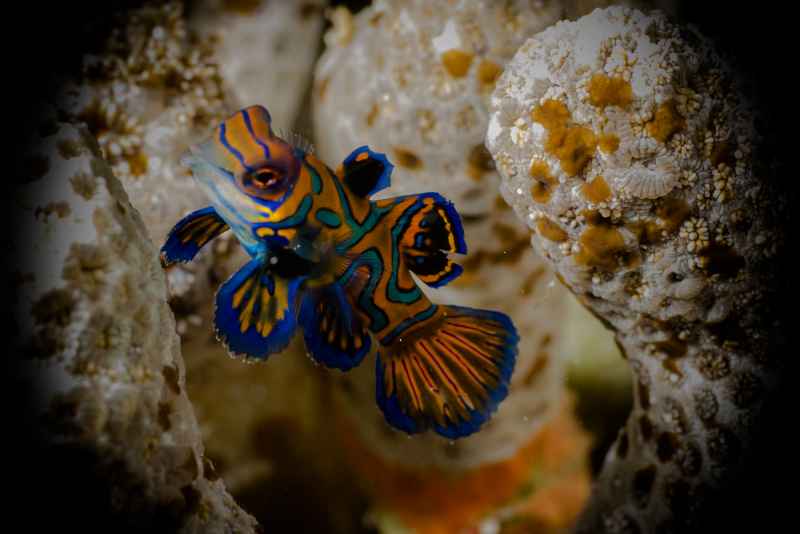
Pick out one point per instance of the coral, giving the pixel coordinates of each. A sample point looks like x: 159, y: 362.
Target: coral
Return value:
x: 412, y: 80
x: 149, y: 91
x: 99, y: 344
x: 265, y: 50
x: 671, y: 250
x: 543, y: 485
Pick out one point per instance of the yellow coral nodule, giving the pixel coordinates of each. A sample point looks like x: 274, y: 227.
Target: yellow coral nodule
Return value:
x: 574, y: 146
x: 596, y: 191
x: 457, y: 62
x: 666, y: 123
x: 607, y: 91
x: 550, y: 230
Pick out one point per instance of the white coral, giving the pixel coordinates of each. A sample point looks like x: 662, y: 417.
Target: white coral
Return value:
x: 102, y: 353
x: 677, y: 243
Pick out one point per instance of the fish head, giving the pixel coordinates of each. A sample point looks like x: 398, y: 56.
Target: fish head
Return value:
x: 248, y: 172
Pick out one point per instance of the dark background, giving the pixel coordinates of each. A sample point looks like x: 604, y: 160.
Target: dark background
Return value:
x: 46, y: 40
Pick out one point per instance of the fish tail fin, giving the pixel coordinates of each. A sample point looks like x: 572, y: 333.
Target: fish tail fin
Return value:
x: 432, y: 232
x: 448, y: 372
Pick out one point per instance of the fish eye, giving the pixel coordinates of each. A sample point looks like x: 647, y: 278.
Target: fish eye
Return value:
x: 265, y: 179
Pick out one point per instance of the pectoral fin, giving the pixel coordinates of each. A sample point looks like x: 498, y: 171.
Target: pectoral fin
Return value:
x: 190, y: 235
x: 256, y: 311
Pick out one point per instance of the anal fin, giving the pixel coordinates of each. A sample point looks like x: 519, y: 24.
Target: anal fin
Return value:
x: 334, y: 333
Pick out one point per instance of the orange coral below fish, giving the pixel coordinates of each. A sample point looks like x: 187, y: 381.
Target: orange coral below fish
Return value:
x: 543, y: 486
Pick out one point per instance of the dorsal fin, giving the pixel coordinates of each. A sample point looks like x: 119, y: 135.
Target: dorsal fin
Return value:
x: 365, y: 172
x: 432, y: 232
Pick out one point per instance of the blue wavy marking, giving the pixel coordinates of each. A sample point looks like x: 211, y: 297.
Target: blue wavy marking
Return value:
x: 371, y: 259
x: 249, y: 125
x: 224, y: 141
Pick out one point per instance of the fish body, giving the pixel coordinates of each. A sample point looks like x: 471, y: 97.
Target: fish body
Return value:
x: 329, y: 260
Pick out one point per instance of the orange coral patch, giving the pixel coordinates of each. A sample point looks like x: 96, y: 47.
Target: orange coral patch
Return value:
x: 479, y: 162
x: 456, y: 62
x: 596, y: 191
x: 488, y: 72
x: 544, y: 181
x: 673, y: 212
x: 551, y: 114
x: 550, y: 230
x: 406, y: 158
x: 601, y: 247
x: 608, y: 143
x: 666, y: 122
x: 138, y: 164
x: 607, y: 91
x: 646, y: 232
x: 573, y: 145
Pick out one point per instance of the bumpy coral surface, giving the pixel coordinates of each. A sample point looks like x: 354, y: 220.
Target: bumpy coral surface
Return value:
x: 412, y: 79
x: 625, y: 144
x: 99, y: 342
x: 151, y: 90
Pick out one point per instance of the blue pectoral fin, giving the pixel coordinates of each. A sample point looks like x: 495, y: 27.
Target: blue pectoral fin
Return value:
x: 190, y: 235
x: 365, y: 172
x: 448, y: 376
x: 335, y: 336
x: 256, y: 313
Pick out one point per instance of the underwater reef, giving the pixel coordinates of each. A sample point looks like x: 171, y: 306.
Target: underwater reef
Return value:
x: 621, y: 202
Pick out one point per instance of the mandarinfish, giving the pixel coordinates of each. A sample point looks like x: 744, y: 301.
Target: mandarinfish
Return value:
x: 331, y: 261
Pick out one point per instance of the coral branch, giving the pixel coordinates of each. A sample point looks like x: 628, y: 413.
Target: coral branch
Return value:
x: 660, y: 215
x: 100, y: 348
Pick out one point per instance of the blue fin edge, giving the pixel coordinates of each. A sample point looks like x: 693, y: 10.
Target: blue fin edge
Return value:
x: 251, y: 344
x: 384, y: 180
x: 173, y: 250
